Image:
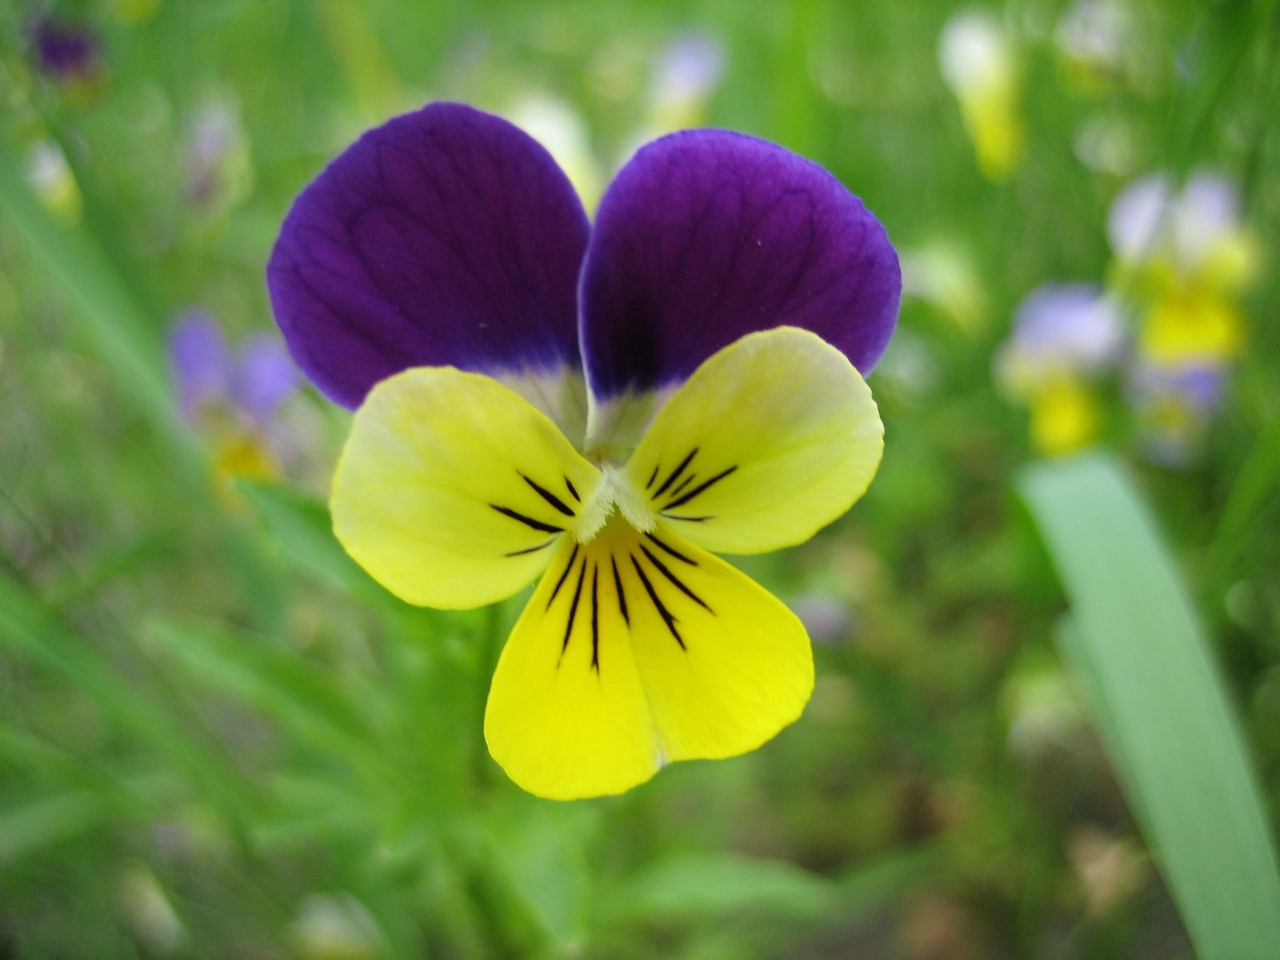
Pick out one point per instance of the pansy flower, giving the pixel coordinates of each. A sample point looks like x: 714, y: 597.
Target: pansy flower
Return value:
x: 231, y: 396
x: 1185, y: 257
x: 1064, y: 335
x: 1189, y: 258
x: 1175, y: 407
x: 65, y: 51
x: 604, y: 406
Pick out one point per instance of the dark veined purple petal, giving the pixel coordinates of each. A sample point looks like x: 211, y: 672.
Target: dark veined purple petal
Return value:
x: 444, y: 237
x: 706, y: 236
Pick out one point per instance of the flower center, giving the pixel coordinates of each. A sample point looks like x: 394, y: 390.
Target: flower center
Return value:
x: 615, y: 495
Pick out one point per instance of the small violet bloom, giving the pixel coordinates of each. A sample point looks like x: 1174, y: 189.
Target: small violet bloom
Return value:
x: 685, y: 75
x: 231, y: 397
x: 336, y: 925
x: 602, y: 405
x: 1175, y: 407
x: 219, y: 167
x: 555, y: 124
x: 1195, y: 235
x: 942, y: 274
x: 1188, y: 258
x: 1063, y: 336
x: 64, y: 51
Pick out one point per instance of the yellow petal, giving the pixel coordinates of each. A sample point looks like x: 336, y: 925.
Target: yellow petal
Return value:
x: 1064, y: 417
x: 995, y: 127
x: 634, y: 650
x: 770, y: 440
x: 731, y: 668
x: 567, y: 716
x: 452, y: 490
x: 1190, y: 326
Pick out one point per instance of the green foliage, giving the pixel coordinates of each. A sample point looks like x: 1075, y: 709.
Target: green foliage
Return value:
x: 1134, y: 641
x: 220, y: 738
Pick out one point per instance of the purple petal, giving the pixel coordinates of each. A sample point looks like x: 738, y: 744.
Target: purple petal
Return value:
x: 444, y: 237
x: 265, y: 377
x: 706, y: 236
x: 1137, y: 216
x: 1206, y: 213
x: 1198, y: 388
x: 199, y: 360
x: 65, y: 50
x: 1076, y: 325
x: 689, y: 68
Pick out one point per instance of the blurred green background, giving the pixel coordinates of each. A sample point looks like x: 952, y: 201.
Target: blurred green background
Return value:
x: 219, y: 738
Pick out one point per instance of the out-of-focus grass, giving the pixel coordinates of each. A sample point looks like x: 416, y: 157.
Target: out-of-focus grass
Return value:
x: 218, y: 738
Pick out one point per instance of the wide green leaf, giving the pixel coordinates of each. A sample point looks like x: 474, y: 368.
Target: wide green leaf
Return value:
x: 695, y: 886
x: 1138, y: 649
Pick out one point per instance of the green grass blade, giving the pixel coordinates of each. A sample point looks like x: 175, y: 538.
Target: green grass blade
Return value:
x: 27, y: 630
x: 29, y: 827
x: 1254, y: 485
x: 295, y: 693
x: 111, y: 313
x: 301, y: 526
x: 1139, y: 650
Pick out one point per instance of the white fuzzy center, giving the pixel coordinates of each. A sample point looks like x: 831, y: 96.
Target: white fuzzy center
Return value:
x: 616, y: 493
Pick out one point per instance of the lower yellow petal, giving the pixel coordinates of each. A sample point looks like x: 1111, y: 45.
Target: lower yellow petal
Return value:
x: 637, y: 649
x: 452, y: 490
x: 567, y: 716
x: 725, y: 664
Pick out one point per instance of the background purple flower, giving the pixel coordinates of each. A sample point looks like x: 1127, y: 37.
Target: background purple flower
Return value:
x: 1075, y: 324
x: 219, y: 170
x: 688, y: 69
x: 1151, y: 218
x: 207, y: 374
x: 1060, y: 330
x: 63, y: 50
x: 1174, y: 407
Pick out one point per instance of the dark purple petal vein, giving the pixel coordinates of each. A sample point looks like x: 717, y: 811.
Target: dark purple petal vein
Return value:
x: 706, y: 236
x: 444, y: 237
